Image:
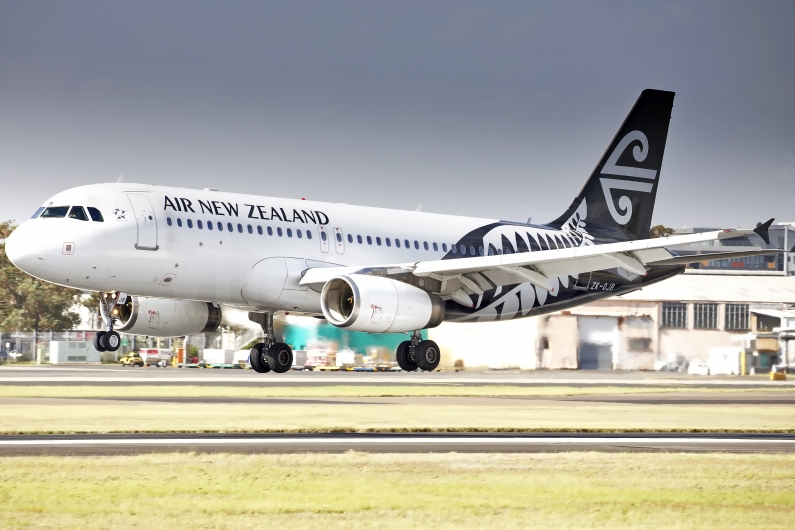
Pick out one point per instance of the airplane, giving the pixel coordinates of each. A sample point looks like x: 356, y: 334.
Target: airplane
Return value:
x: 169, y: 260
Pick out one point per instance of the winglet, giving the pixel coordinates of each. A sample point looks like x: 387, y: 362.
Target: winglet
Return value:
x: 761, y: 230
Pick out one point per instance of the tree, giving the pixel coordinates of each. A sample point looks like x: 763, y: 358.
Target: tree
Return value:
x: 660, y: 231
x: 27, y: 303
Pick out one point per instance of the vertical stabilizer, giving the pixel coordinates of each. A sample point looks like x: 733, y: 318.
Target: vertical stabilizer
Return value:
x: 619, y: 195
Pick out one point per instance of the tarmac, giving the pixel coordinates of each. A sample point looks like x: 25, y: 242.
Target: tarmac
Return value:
x: 98, y: 444
x: 114, y: 375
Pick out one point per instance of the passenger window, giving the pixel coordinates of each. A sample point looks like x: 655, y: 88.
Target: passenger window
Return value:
x: 425, y: 245
x: 259, y: 230
x: 444, y: 247
x: 471, y: 250
x: 350, y: 238
x: 95, y: 214
x: 199, y: 224
x: 179, y: 222
x: 230, y: 227
x: 406, y: 241
x: 378, y: 241
x: 221, y: 226
x: 339, y: 237
x: 55, y: 212
x: 299, y: 234
x: 480, y: 250
x: 77, y: 212
x: 491, y: 251
x: 37, y: 212
x: 397, y: 243
x: 454, y: 249
x: 416, y: 244
x: 190, y: 223
x: 309, y: 234
x: 239, y: 228
x: 250, y: 230
x: 388, y: 242
x: 270, y: 231
x: 209, y: 225
x: 435, y: 246
x: 289, y: 232
x: 369, y: 240
x: 279, y: 231
x: 323, y: 236
x: 168, y: 221
x: 359, y: 239
x: 463, y: 249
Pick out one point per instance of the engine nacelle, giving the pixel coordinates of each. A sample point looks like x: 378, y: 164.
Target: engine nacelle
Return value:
x: 379, y: 305
x: 162, y: 317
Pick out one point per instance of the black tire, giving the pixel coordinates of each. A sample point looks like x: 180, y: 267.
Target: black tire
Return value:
x: 110, y: 341
x: 280, y: 357
x: 98, y: 341
x: 427, y: 355
x: 257, y: 359
x: 404, y: 358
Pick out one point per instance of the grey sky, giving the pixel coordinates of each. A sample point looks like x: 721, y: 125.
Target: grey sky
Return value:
x: 495, y: 109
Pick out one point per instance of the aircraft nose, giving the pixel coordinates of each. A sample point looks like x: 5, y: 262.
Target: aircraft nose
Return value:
x: 25, y: 250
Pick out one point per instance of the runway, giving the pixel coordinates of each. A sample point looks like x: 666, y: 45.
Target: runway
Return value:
x: 109, y: 444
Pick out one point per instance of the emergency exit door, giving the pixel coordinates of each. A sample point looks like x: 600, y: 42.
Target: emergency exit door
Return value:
x: 145, y: 219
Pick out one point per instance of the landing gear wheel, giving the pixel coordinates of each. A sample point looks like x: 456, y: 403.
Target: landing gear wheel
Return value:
x: 404, y: 358
x: 427, y: 355
x: 280, y: 357
x: 110, y: 341
x: 257, y: 359
x: 98, y: 341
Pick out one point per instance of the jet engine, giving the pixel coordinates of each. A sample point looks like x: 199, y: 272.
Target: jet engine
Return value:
x: 161, y: 317
x: 379, y: 305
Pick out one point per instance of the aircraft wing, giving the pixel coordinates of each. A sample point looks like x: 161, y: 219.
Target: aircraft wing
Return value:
x: 539, y: 267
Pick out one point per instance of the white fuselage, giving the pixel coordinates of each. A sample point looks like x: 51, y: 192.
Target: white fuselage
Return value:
x: 155, y: 241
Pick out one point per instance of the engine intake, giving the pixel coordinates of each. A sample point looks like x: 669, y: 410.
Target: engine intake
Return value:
x: 379, y: 305
x: 162, y: 317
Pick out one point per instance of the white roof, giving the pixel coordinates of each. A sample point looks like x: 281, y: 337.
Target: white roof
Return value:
x: 719, y: 288
x: 777, y: 313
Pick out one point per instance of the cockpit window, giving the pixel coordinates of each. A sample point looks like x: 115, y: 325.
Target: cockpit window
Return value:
x: 77, y: 212
x: 55, y: 212
x: 95, y: 214
x: 38, y: 212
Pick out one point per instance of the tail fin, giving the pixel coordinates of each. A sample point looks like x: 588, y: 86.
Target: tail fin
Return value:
x: 619, y: 195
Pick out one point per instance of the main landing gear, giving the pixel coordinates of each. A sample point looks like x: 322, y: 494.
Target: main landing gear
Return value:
x: 269, y: 355
x: 109, y: 340
x: 417, y: 353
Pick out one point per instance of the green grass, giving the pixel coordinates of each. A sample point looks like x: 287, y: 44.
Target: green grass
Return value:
x: 355, y: 490
x: 42, y: 415
x: 84, y: 391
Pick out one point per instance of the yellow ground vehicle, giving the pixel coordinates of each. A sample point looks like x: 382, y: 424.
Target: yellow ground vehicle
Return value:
x: 132, y: 359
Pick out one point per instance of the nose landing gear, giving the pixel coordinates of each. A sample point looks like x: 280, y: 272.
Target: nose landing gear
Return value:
x: 417, y: 353
x: 109, y: 340
x: 269, y: 354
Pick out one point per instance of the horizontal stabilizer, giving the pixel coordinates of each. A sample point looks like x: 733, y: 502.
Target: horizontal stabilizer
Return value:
x: 712, y: 256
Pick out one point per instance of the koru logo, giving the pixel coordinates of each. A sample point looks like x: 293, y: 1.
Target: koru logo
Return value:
x: 639, y: 152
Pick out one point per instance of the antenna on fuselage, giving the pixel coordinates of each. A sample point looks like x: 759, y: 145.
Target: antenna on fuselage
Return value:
x: 419, y: 208
x: 121, y: 178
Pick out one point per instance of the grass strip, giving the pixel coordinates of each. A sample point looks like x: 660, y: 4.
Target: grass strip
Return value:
x: 403, y: 491
x: 398, y: 413
x: 198, y: 391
